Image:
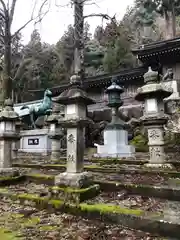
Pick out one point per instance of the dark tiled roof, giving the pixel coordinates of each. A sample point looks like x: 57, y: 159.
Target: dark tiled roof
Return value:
x: 157, y: 48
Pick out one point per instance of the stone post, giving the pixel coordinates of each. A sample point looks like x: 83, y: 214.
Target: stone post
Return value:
x: 75, y: 101
x: 55, y: 133
x: 8, y: 134
x: 154, y: 118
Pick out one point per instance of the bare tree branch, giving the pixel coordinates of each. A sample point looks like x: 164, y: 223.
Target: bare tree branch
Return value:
x: 39, y: 17
x: 104, y: 16
x: 2, y: 14
x: 66, y: 5
x: 42, y: 15
x: 21, y: 28
x: 11, y: 14
x: 3, y: 5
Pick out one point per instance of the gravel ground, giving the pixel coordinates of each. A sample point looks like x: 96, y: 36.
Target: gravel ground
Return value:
x: 27, y: 223
x: 122, y: 199
x: 133, y: 178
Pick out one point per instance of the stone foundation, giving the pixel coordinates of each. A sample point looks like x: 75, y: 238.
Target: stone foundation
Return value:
x: 71, y: 195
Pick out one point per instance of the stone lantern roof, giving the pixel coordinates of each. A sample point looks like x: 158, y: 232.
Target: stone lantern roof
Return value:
x: 56, y: 114
x: 114, y: 87
x: 74, y: 94
x: 152, y: 88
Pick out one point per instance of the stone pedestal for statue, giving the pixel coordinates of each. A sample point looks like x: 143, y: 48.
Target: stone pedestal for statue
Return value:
x: 115, y: 134
x: 75, y: 101
x: 55, y: 133
x: 8, y: 135
x: 35, y: 141
x: 154, y: 118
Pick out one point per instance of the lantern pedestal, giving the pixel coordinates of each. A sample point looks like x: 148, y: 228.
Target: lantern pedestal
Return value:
x: 115, y: 135
x: 115, y: 144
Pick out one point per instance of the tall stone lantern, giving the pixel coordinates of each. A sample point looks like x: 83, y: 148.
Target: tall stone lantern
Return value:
x: 115, y: 133
x: 75, y: 120
x: 154, y: 118
x: 8, y: 135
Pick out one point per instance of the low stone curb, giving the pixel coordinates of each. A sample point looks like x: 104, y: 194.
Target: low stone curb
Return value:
x: 136, y: 219
x: 4, y: 181
x: 163, y: 192
x: 62, y: 167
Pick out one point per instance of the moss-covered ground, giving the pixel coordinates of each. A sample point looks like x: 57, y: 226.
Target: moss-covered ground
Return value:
x: 27, y: 223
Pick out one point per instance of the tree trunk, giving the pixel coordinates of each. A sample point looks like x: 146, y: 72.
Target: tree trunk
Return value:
x: 173, y: 21
x: 168, y: 34
x: 79, y: 39
x: 7, y: 81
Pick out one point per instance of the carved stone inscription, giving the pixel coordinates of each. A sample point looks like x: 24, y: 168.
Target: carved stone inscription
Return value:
x: 156, y: 154
x: 154, y: 134
x: 70, y: 158
x: 71, y: 138
x: 71, y: 148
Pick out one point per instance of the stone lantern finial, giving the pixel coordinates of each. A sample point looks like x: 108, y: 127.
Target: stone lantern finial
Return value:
x: 75, y: 80
x: 151, y: 76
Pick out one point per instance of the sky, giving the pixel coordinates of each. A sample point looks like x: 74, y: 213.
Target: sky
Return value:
x: 58, y: 18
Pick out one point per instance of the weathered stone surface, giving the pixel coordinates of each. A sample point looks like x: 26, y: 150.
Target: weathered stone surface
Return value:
x: 76, y: 180
x: 9, y: 172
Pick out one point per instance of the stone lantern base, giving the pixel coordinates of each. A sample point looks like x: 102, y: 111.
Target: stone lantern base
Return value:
x: 115, y: 144
x: 74, y: 180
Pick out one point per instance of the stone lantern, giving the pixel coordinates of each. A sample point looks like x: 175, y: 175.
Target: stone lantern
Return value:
x: 16, y: 142
x: 75, y: 120
x: 8, y: 135
x: 55, y: 132
x: 154, y: 117
x: 115, y: 134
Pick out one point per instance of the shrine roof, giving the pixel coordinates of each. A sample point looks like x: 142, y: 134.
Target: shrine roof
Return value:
x: 160, y: 48
x: 124, y: 77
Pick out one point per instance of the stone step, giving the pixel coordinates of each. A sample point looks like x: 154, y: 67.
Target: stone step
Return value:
x: 152, y: 215
x: 106, y: 170
x: 127, y: 177
x: 168, y: 189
